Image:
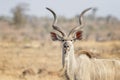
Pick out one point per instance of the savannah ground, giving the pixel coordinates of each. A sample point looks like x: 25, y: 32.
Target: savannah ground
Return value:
x: 28, y: 53
x: 41, y: 60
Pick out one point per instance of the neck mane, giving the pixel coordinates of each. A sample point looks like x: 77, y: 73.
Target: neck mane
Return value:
x: 70, y: 63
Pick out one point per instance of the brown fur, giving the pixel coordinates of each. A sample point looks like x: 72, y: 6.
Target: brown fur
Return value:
x: 88, y: 53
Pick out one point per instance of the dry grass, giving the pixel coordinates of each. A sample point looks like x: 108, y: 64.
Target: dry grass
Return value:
x: 42, y: 60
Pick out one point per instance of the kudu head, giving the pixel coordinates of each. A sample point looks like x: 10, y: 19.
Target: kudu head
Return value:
x: 67, y: 40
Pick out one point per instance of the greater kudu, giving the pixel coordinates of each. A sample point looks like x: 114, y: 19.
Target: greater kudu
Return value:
x: 82, y: 67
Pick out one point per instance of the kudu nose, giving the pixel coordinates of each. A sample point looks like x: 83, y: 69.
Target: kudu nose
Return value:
x: 66, y: 45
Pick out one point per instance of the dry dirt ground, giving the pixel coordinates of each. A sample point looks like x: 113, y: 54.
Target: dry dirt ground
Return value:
x: 36, y: 60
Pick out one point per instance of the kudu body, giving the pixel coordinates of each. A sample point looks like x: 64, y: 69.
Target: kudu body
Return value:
x: 82, y: 67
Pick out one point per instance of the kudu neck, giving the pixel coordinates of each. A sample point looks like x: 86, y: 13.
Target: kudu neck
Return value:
x: 68, y: 58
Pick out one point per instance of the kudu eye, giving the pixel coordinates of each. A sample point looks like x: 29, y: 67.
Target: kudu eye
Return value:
x: 63, y: 40
x: 72, y: 40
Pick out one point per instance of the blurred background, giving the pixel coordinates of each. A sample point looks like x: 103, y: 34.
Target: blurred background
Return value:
x: 26, y: 49
x: 29, y: 20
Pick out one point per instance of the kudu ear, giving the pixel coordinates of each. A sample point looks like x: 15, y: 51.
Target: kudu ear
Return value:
x: 55, y: 37
x: 78, y: 35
